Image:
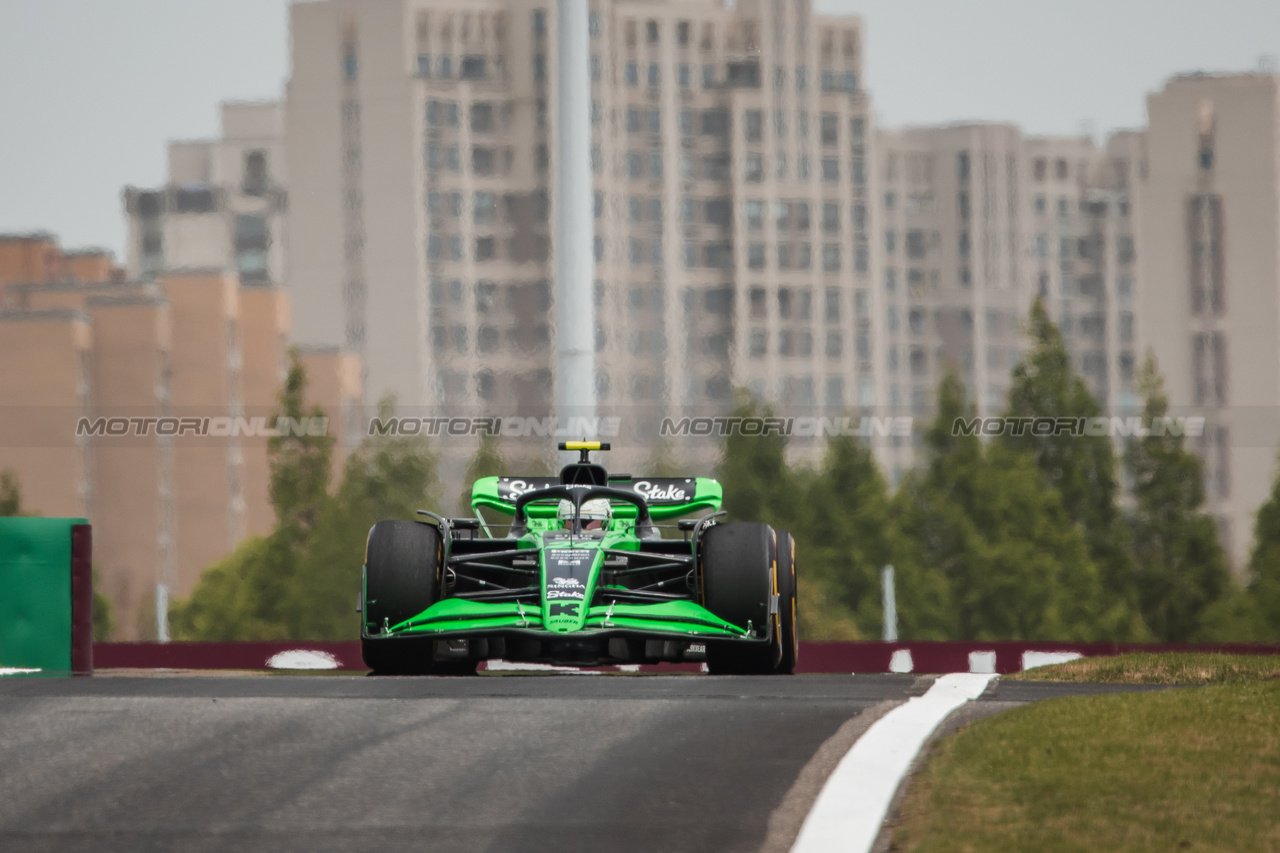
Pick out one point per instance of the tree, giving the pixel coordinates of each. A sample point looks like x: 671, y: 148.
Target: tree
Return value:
x: 299, y: 463
x: 301, y: 581
x: 384, y: 478
x: 104, y: 621
x: 1082, y: 469
x: 1000, y: 557
x: 758, y: 484
x: 225, y: 606
x: 850, y: 535
x: 1253, y: 613
x: 662, y: 461
x: 487, y: 461
x: 1180, y: 567
x: 10, y: 494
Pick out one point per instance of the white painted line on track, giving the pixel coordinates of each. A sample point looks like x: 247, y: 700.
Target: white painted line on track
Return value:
x: 10, y: 670
x: 848, y: 812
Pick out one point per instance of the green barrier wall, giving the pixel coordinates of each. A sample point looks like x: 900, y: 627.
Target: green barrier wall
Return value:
x: 43, y: 563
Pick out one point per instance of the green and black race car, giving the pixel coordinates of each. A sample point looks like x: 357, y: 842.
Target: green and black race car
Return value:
x: 580, y: 586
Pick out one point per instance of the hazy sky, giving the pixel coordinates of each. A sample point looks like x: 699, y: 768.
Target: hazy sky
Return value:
x: 91, y: 90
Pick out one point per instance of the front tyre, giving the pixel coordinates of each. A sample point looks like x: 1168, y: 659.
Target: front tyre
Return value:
x: 739, y: 577
x: 402, y: 579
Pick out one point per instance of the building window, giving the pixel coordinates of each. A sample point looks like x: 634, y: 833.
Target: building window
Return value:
x: 653, y: 74
x: 754, y: 168
x: 484, y: 208
x: 481, y: 117
x: 539, y: 22
x: 962, y: 166
x: 753, y: 125
x: 482, y: 160
x: 255, y: 173
x: 633, y: 73
x: 830, y: 216
x: 831, y: 257
x: 830, y: 170
x: 830, y: 129
x: 803, y: 256
x: 715, y: 122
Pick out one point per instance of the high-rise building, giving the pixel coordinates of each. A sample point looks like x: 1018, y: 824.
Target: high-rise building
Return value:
x: 100, y: 374
x: 731, y: 151
x: 38, y: 257
x: 1210, y: 274
x: 223, y: 205
x: 1084, y: 204
x: 955, y: 278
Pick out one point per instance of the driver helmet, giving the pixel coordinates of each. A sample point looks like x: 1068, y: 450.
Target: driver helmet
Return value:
x: 595, y: 514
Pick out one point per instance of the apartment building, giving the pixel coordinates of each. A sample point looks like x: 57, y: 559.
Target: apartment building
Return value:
x: 38, y: 257
x: 954, y: 279
x: 1208, y: 270
x: 223, y: 206
x: 731, y: 146
x: 1083, y: 208
x: 183, y: 344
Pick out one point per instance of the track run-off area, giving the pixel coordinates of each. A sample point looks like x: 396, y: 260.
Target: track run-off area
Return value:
x: 498, y: 762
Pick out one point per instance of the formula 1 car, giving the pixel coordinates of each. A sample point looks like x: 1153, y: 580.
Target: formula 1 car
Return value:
x: 439, y: 594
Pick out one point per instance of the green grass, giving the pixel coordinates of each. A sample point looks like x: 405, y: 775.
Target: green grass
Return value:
x: 1194, y: 769
x: 1165, y: 668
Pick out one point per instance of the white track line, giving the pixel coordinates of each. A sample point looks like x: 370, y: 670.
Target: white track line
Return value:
x: 852, y: 805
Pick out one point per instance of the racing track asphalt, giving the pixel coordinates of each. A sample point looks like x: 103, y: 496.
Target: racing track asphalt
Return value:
x: 491, y: 763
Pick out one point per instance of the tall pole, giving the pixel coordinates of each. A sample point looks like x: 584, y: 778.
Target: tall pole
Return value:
x: 574, y: 221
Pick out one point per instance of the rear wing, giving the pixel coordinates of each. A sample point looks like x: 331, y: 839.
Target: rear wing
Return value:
x: 667, y: 497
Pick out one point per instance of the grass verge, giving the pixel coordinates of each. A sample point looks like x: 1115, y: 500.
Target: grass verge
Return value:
x: 1162, y: 668
x: 1175, y: 770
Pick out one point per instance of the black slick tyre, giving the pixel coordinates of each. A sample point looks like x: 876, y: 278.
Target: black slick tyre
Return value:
x: 739, y: 570
x: 402, y: 578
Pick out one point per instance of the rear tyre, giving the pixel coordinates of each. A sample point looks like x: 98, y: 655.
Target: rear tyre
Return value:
x: 786, y: 626
x: 739, y: 569
x: 402, y: 579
